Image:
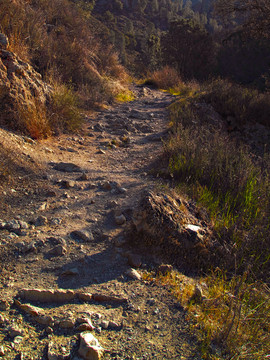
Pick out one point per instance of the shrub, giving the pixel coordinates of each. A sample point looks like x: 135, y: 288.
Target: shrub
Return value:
x: 64, y: 113
x: 165, y: 78
x: 244, y: 104
x: 32, y: 119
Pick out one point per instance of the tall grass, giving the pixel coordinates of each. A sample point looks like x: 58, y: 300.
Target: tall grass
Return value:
x: 222, y: 175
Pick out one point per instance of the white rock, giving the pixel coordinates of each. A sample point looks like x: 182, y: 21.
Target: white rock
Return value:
x: 90, y: 348
x: 133, y: 274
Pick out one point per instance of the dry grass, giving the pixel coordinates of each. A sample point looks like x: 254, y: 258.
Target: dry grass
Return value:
x: 32, y: 119
x: 220, y: 174
x: 64, y: 113
x: 232, y: 318
x: 244, y: 104
x: 165, y: 78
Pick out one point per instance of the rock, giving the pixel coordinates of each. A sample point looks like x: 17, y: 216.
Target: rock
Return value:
x: 43, y: 206
x: 113, y: 325
x: 29, y: 309
x: 197, y: 295
x: 85, y: 235
x: 41, y: 221
x: 14, y: 331
x: 86, y: 297
x: 17, y: 339
x: 104, y: 324
x: 58, y: 250
x: 100, y: 151
x: 57, y: 241
x: 4, y: 304
x: 67, y: 323
x: 133, y: 274
x: 58, y: 296
x: 68, y: 184
x: 134, y: 260
x: 44, y: 320
x: 120, y: 219
x: 164, y: 268
x: 109, y: 298
x: 120, y: 241
x: 85, y: 323
x: 2, y: 351
x: 106, y: 185
x: 3, y: 41
x: 90, y: 348
x: 67, y: 167
x: 84, y: 177
x: 161, y: 219
x: 85, y: 327
x: 2, y: 319
x: 49, y: 330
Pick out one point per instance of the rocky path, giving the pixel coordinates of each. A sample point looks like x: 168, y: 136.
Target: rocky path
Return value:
x: 62, y: 228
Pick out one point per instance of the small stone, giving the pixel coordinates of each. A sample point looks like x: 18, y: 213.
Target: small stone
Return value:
x: 41, y: 221
x: 85, y: 327
x: 100, y: 151
x: 134, y: 260
x: 113, y: 325
x: 3, y: 41
x: 2, y: 319
x: 119, y: 241
x: 104, y: 324
x: 106, y: 185
x: 58, y: 250
x: 98, y: 329
x: 67, y: 167
x: 43, y: 206
x: 67, y: 323
x: 4, y: 305
x: 133, y: 274
x: 120, y: 220
x: 14, y: 331
x: 68, y: 184
x: 197, y: 294
x: 44, y: 320
x: 17, y: 339
x: 164, y: 269
x: 2, y: 351
x: 151, y: 301
x: 90, y: 348
x: 84, y: 177
x: 85, y: 235
x: 49, y: 330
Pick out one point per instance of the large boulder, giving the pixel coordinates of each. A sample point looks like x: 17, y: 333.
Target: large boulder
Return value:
x: 22, y: 90
x: 175, y: 230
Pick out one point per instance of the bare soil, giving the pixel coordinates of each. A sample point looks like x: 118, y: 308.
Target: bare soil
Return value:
x: 116, y: 151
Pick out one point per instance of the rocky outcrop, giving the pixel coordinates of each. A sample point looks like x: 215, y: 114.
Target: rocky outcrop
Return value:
x: 179, y: 234
x: 21, y: 88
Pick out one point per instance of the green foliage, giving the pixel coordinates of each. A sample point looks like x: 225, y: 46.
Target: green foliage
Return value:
x: 220, y: 173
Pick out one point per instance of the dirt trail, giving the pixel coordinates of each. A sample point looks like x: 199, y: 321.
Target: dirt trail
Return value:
x: 114, y: 154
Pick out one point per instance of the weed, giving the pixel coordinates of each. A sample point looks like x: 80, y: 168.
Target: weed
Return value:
x: 125, y: 96
x: 64, y: 114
